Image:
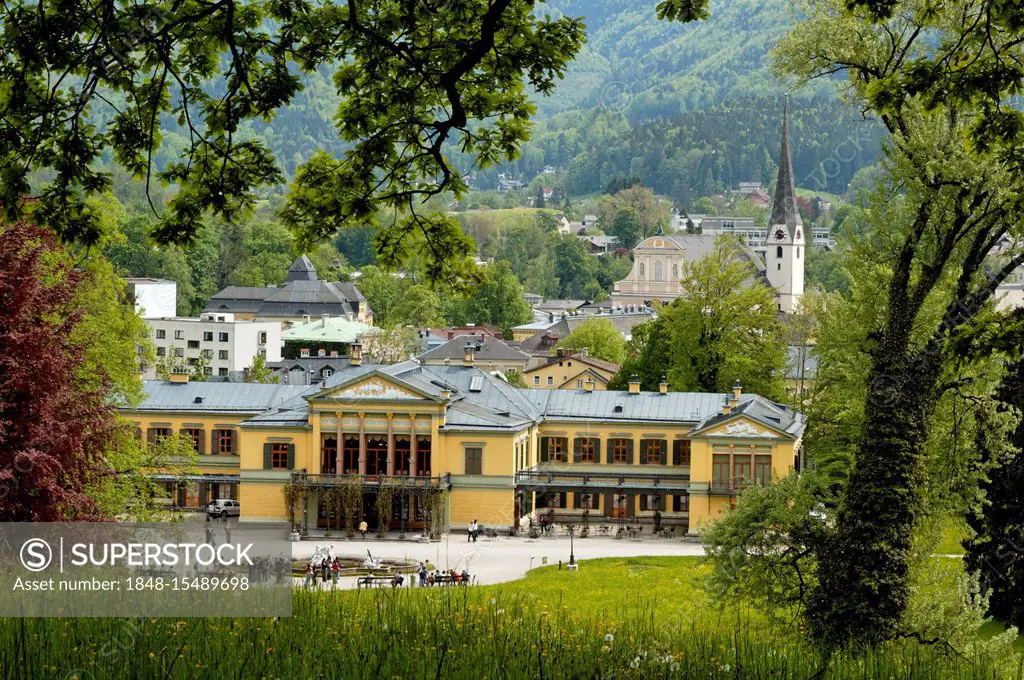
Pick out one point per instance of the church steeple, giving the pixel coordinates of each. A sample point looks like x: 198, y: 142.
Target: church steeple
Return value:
x: 784, y: 252
x: 784, y: 210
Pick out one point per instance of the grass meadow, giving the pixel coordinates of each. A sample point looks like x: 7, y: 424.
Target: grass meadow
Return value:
x: 615, y: 618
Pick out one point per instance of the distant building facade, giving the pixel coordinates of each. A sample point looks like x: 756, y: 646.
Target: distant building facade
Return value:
x: 658, y: 260
x: 571, y: 371
x: 153, y: 298
x: 302, y: 294
x: 229, y: 345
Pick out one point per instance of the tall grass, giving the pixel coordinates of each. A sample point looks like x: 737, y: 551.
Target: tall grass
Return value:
x: 442, y: 633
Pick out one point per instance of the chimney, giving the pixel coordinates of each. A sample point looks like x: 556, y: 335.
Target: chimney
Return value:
x: 467, y: 355
x: 583, y: 351
x: 304, y: 353
x: 334, y: 353
x: 355, y: 354
x: 446, y: 394
x: 726, y: 407
x: 560, y: 352
x: 737, y: 391
x: 634, y: 384
x: 588, y: 385
x: 663, y: 385
x: 179, y: 375
x: 551, y: 317
x: 323, y: 320
x: 321, y: 352
x: 305, y: 318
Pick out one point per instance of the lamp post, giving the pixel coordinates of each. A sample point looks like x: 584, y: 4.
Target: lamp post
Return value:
x: 572, y: 552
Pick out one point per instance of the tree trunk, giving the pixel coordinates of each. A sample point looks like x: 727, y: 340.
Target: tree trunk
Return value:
x: 864, y: 565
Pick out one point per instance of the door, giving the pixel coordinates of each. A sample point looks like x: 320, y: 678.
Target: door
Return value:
x: 620, y: 505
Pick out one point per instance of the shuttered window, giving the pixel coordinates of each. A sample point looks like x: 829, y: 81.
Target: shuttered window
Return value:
x: 681, y: 452
x: 474, y: 461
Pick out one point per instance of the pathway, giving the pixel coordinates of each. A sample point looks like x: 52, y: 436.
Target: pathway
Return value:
x: 497, y: 560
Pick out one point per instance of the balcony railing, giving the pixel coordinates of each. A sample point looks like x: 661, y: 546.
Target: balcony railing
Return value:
x: 539, y: 480
x: 411, y: 482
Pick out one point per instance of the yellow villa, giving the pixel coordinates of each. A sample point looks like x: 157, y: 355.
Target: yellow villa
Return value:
x: 505, y: 456
x: 571, y: 370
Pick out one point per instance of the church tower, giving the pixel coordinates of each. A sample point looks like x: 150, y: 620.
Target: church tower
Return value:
x: 785, y: 250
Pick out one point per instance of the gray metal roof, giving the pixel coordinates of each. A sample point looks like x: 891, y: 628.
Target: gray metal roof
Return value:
x: 496, y: 406
x: 485, y: 347
x: 221, y: 397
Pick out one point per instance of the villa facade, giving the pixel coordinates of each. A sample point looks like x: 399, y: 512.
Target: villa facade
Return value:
x: 505, y: 456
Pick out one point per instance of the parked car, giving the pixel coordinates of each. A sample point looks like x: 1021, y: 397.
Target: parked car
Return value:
x: 223, y: 508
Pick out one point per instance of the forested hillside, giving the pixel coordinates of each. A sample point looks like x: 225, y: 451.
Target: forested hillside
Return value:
x: 687, y: 108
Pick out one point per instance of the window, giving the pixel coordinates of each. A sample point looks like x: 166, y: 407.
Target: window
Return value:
x: 197, y: 438
x: 681, y: 503
x: 579, y: 384
x: 551, y: 381
x: 222, y: 337
x: 423, y: 456
x: 208, y: 353
x: 720, y: 471
x: 588, y: 449
x: 763, y: 470
x: 222, y: 354
x: 403, y: 455
x: 778, y: 251
x: 741, y: 472
x: 587, y: 501
x: 179, y: 351
x: 222, y: 371
x: 326, y: 372
x: 536, y: 380
x: 641, y: 269
x: 474, y: 461
x: 161, y: 334
x: 654, y: 449
x: 179, y: 335
x: 621, y: 451
x: 553, y: 499
x: 555, y: 448
x: 207, y: 336
x: 161, y: 351
x: 658, y: 270
x: 328, y: 455
x: 778, y: 267
x: 225, y: 442
x: 675, y: 271
x: 681, y: 452
x: 350, y: 455
x: 263, y: 338
x: 278, y: 456
x: 376, y: 455
x: 155, y: 433
x: 650, y: 501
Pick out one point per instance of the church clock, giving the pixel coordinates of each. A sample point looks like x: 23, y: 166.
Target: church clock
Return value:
x: 779, y: 234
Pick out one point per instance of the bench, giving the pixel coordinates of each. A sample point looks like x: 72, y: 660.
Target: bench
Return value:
x: 450, y: 581
x: 374, y: 581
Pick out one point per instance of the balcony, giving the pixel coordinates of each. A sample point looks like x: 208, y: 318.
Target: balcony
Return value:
x: 537, y: 480
x: 412, y: 483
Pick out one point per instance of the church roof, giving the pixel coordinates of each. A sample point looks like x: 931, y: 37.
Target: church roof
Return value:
x: 302, y: 293
x: 302, y: 270
x: 784, y: 210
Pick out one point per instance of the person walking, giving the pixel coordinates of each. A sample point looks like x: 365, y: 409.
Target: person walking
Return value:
x: 335, y: 573
x: 363, y: 528
x: 310, y: 579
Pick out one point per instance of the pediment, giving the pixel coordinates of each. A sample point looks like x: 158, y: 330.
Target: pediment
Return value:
x: 741, y: 428
x: 373, y: 387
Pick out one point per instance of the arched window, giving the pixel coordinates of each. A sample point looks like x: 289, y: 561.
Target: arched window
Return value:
x: 778, y: 251
x: 675, y: 271
x: 641, y: 269
x: 327, y: 372
x: 659, y: 272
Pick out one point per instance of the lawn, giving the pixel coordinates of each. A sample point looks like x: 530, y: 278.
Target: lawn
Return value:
x: 623, y: 618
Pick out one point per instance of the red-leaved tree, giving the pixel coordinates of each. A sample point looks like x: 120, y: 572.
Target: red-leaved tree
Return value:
x: 52, y: 430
